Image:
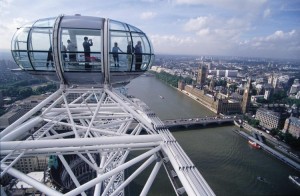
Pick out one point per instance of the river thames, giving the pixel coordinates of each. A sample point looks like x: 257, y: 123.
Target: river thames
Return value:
x: 225, y: 160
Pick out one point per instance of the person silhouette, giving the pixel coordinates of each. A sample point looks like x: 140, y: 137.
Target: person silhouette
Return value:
x: 130, y: 51
x: 87, y: 51
x: 115, y: 53
x: 50, y: 57
x: 72, y: 49
x: 64, y: 52
x: 138, y: 55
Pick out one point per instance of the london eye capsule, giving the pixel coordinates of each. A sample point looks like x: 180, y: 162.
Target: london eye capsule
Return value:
x: 82, y: 50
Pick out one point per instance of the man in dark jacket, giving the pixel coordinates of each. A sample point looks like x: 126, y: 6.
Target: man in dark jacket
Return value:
x: 87, y: 50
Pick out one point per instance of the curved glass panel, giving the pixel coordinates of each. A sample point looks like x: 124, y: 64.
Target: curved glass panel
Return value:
x: 42, y: 60
x: 22, y: 60
x: 146, y: 59
x: 40, y: 47
x: 20, y: 39
x: 115, y: 25
x: 145, y: 45
x: 48, y: 22
x: 132, y: 28
x: 41, y: 39
x: 29, y: 24
x: 140, y: 44
x: 19, y: 48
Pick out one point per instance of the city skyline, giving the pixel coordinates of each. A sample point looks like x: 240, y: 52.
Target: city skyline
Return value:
x: 260, y: 28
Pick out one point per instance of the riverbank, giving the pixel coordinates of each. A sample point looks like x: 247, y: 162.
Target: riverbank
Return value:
x: 279, y: 147
x: 197, y: 100
x: 271, y: 151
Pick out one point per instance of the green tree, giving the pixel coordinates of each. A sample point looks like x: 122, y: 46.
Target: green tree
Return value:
x: 274, y: 131
x: 221, y: 83
x: 25, y: 92
x: 172, y: 79
x: 278, y: 97
x: 292, y: 141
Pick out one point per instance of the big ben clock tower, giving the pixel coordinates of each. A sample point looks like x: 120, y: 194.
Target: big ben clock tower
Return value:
x: 246, y: 97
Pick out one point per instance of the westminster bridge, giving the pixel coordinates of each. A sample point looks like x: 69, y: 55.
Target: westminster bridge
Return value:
x: 193, y: 122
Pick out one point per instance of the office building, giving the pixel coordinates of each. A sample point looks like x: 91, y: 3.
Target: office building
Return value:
x: 269, y: 119
x: 292, y: 126
x: 295, y: 88
x: 10, y: 117
x: 224, y: 73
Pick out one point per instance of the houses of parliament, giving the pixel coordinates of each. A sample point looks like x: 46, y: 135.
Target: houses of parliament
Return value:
x: 214, y: 100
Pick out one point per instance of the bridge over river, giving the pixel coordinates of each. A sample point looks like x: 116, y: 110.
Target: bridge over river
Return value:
x: 182, y: 122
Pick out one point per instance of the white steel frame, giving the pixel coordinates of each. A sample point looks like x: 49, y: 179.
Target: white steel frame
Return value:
x: 99, y: 121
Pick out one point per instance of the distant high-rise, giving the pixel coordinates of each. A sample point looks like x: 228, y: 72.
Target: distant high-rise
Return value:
x: 212, y: 84
x: 273, y: 80
x: 202, y: 72
x: 246, y: 97
x: 1, y: 99
x: 295, y: 87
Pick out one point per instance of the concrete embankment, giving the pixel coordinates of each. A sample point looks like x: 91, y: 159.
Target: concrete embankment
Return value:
x: 198, y: 100
x: 275, y: 153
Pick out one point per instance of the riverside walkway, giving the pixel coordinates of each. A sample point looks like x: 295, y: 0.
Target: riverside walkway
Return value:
x: 271, y: 151
x: 182, y: 122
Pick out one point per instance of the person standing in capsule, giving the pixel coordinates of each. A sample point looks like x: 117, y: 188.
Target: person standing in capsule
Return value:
x: 72, y: 51
x: 130, y: 51
x: 115, y: 51
x: 50, y: 57
x: 87, y: 51
x: 138, y: 55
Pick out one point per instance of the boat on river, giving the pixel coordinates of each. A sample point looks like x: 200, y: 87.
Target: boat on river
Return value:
x: 262, y: 179
x: 238, y: 124
x: 254, y: 144
x: 295, y: 179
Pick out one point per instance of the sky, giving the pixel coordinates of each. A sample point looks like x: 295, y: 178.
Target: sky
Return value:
x: 248, y: 28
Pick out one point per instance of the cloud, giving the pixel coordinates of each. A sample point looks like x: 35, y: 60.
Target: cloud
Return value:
x: 4, y: 4
x: 8, y: 28
x: 204, y: 35
x: 172, y: 44
x: 148, y: 15
x: 249, y: 5
x: 171, y: 40
x: 198, y: 23
x: 267, y: 13
x: 203, y: 32
x: 277, y: 44
x: 214, y: 28
x: 279, y: 37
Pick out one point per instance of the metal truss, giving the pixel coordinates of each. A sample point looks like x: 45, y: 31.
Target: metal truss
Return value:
x: 100, y: 129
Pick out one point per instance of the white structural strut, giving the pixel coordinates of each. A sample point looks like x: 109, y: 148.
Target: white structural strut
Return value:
x: 90, y: 138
